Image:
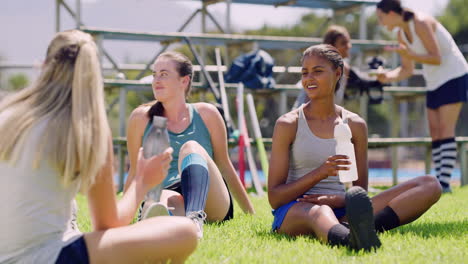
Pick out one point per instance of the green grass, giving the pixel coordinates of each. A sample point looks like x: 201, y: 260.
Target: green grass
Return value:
x: 439, y: 236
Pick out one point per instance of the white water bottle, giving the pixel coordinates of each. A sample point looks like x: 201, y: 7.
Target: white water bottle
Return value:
x: 155, y: 142
x: 344, y: 146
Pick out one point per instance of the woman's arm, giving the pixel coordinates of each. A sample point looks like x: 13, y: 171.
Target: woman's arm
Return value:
x: 215, y: 124
x: 106, y: 212
x: 404, y: 71
x: 136, y: 127
x: 359, y: 130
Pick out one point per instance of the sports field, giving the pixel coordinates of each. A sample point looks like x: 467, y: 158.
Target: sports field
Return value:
x: 439, y: 236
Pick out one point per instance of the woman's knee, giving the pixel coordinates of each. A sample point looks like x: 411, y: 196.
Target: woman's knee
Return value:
x: 191, y: 146
x: 431, y: 186
x: 318, y: 211
x: 184, y: 233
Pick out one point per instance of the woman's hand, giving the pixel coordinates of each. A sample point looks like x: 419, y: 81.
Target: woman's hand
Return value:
x: 152, y: 171
x: 334, y: 200
x: 334, y: 164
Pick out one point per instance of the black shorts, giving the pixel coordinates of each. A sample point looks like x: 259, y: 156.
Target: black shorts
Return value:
x: 453, y: 91
x: 74, y: 253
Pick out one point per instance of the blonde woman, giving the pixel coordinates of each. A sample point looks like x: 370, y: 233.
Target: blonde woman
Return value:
x: 56, y: 141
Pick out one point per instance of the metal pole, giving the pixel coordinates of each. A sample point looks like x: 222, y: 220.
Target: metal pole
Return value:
x: 202, y: 46
x: 78, y: 14
x: 228, y: 16
x: 428, y: 159
x: 463, y: 164
x: 394, y: 134
x: 364, y: 100
x: 57, y: 15
x: 122, y: 132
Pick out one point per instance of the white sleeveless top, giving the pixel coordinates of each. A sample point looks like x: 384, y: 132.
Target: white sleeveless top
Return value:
x: 35, y: 209
x: 453, y: 64
x: 309, y: 152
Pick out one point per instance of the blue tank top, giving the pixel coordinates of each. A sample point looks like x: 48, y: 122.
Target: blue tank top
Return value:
x: 196, y: 131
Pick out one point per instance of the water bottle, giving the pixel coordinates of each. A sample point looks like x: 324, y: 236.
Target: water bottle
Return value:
x: 344, y: 146
x: 155, y: 142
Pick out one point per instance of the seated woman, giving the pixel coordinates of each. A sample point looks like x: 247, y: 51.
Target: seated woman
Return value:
x: 55, y: 141
x: 200, y: 168
x: 303, y: 187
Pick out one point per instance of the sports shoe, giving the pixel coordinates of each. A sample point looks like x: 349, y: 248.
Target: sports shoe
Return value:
x: 361, y: 220
x: 198, y: 217
x: 151, y: 209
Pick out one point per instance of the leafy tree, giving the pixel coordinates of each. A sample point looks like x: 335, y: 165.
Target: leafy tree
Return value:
x: 18, y: 81
x: 455, y: 20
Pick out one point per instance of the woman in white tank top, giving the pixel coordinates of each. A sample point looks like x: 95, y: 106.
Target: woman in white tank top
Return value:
x: 56, y: 140
x: 422, y: 39
x: 303, y: 189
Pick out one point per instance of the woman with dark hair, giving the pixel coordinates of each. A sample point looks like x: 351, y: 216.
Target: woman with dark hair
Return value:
x: 422, y: 39
x: 303, y: 187
x: 338, y: 37
x: 201, y: 171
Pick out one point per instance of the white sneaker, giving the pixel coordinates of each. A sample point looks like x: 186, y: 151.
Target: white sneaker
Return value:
x: 198, y: 217
x: 152, y: 209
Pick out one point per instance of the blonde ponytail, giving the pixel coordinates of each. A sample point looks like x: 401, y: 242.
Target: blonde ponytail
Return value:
x: 69, y: 96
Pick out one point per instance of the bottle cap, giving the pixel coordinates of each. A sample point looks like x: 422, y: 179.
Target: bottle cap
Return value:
x: 159, y: 121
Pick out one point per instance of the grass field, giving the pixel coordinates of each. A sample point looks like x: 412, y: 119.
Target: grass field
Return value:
x: 439, y: 236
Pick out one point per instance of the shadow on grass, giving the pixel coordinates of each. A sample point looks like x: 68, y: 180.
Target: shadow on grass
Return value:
x: 268, y: 234
x: 426, y: 230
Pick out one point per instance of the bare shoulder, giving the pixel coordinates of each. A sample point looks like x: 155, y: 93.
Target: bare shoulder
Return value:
x: 424, y: 22
x: 354, y: 120
x: 288, y: 120
x: 205, y: 108
x: 139, y: 116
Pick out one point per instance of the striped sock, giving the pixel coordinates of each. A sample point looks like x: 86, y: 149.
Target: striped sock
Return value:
x: 448, y: 150
x: 436, y: 156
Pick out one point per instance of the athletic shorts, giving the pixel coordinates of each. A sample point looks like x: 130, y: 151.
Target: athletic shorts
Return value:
x: 453, y: 91
x: 74, y: 253
x: 280, y: 213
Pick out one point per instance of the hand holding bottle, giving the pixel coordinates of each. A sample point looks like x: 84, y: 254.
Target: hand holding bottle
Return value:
x: 333, y: 165
x: 153, y: 170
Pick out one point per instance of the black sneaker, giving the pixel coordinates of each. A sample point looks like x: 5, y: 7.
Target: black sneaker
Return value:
x: 361, y: 220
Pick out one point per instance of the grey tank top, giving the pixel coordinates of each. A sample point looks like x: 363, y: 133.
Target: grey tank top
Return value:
x: 307, y: 153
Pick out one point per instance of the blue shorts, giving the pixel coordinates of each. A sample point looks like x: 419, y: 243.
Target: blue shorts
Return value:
x: 453, y: 91
x: 281, y: 212
x: 74, y: 253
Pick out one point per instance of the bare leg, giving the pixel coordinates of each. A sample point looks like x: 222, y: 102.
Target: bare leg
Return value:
x: 306, y: 218
x: 448, y: 117
x: 154, y: 240
x: 175, y: 200
x: 217, y: 203
x: 409, y: 199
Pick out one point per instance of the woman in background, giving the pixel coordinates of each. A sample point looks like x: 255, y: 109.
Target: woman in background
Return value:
x: 422, y: 39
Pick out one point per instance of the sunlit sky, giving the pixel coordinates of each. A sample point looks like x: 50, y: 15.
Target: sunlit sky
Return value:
x: 27, y: 26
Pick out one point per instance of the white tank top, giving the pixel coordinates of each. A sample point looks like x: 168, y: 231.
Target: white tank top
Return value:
x: 453, y: 64
x: 35, y: 209
x: 307, y: 153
